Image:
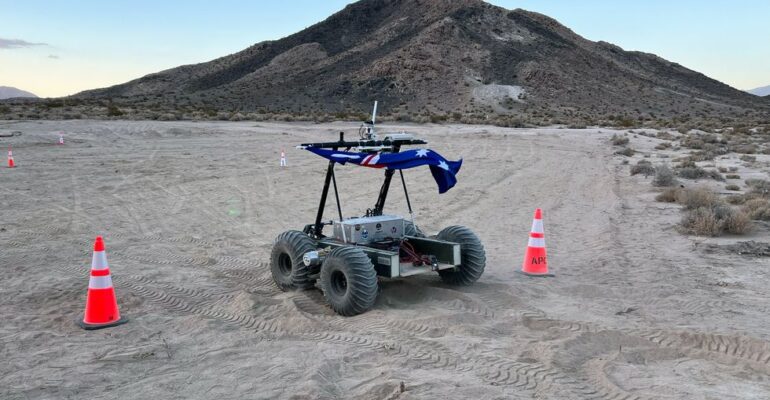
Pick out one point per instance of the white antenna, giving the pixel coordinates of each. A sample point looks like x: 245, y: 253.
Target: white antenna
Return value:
x: 374, y: 113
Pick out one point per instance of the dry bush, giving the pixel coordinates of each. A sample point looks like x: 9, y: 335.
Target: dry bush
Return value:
x: 665, y: 135
x: 736, y: 223
x: 722, y: 169
x: 736, y: 199
x: 758, y: 209
x: 759, y: 187
x: 713, y: 221
x: 643, y: 167
x: 697, y: 198
x: 732, y: 176
x: 698, y: 172
x: 663, y: 146
x: 619, y: 140
x: 744, y: 148
x: 749, y: 159
x: 701, y: 221
x: 628, y: 152
x: 670, y: 195
x: 733, y: 187
x: 664, y: 176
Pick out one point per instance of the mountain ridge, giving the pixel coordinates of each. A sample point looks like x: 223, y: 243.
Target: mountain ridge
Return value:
x: 435, y: 58
x: 9, y: 92
x: 760, y: 91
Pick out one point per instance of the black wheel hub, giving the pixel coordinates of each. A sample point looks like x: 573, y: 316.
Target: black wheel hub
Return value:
x: 339, y: 283
x: 284, y: 264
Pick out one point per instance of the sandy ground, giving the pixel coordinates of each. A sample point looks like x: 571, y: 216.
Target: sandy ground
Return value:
x: 189, y: 211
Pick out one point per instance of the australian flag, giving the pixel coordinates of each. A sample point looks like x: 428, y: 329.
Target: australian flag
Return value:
x: 443, y: 171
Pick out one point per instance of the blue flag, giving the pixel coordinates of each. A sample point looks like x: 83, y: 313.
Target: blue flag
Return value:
x: 443, y: 171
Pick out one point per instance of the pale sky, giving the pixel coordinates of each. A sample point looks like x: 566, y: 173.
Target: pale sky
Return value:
x: 55, y: 48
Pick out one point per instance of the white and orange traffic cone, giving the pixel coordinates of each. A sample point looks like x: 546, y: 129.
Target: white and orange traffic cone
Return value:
x: 283, y: 158
x: 11, y: 164
x: 101, y: 303
x: 61, y: 138
x: 535, y: 259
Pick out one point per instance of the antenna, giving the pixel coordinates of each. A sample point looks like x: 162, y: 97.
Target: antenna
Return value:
x: 374, y: 113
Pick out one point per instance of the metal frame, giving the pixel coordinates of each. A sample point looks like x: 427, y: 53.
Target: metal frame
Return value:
x: 317, y: 228
x: 386, y: 263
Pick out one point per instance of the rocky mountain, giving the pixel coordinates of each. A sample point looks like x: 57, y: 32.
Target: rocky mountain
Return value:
x: 437, y: 57
x: 7, y: 92
x: 761, y: 91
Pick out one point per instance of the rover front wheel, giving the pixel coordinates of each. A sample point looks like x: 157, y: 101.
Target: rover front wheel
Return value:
x: 349, y: 281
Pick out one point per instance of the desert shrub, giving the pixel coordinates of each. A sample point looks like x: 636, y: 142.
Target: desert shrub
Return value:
x: 759, y: 186
x: 715, y: 220
x: 664, y: 176
x: 670, y: 195
x: 733, y: 169
x: 619, y: 140
x: 736, y: 199
x: 628, y: 152
x: 749, y: 159
x: 113, y: 111
x: 643, y: 167
x: 691, y: 172
x: 736, y: 222
x: 697, y: 198
x: 692, y: 142
x: 698, y: 172
x: 722, y: 169
x: 665, y: 135
x: 757, y: 208
x: 701, y: 221
x: 733, y: 187
x: 732, y: 176
x: 663, y: 146
x: 744, y: 148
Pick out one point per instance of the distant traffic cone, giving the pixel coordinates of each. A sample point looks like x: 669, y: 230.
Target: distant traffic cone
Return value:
x: 101, y: 304
x: 535, y: 260
x: 61, y: 138
x: 283, y: 158
x: 11, y: 164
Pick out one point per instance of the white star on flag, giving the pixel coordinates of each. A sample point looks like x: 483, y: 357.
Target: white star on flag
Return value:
x: 443, y: 166
x: 422, y: 153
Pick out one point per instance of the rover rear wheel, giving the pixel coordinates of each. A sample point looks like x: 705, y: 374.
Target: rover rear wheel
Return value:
x: 473, y: 256
x: 289, y: 272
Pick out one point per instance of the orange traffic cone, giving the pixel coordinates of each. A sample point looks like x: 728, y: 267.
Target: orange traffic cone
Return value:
x: 61, y: 138
x: 283, y: 158
x: 101, y: 304
x: 11, y: 164
x: 535, y: 260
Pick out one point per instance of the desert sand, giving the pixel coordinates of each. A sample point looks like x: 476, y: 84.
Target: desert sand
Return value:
x: 189, y: 211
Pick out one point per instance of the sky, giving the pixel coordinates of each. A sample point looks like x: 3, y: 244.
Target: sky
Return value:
x: 56, y: 48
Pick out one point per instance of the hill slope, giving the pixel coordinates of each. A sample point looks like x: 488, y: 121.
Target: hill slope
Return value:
x: 440, y: 56
x: 7, y: 92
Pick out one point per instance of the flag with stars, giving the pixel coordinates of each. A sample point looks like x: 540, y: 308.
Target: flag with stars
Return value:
x: 443, y: 171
